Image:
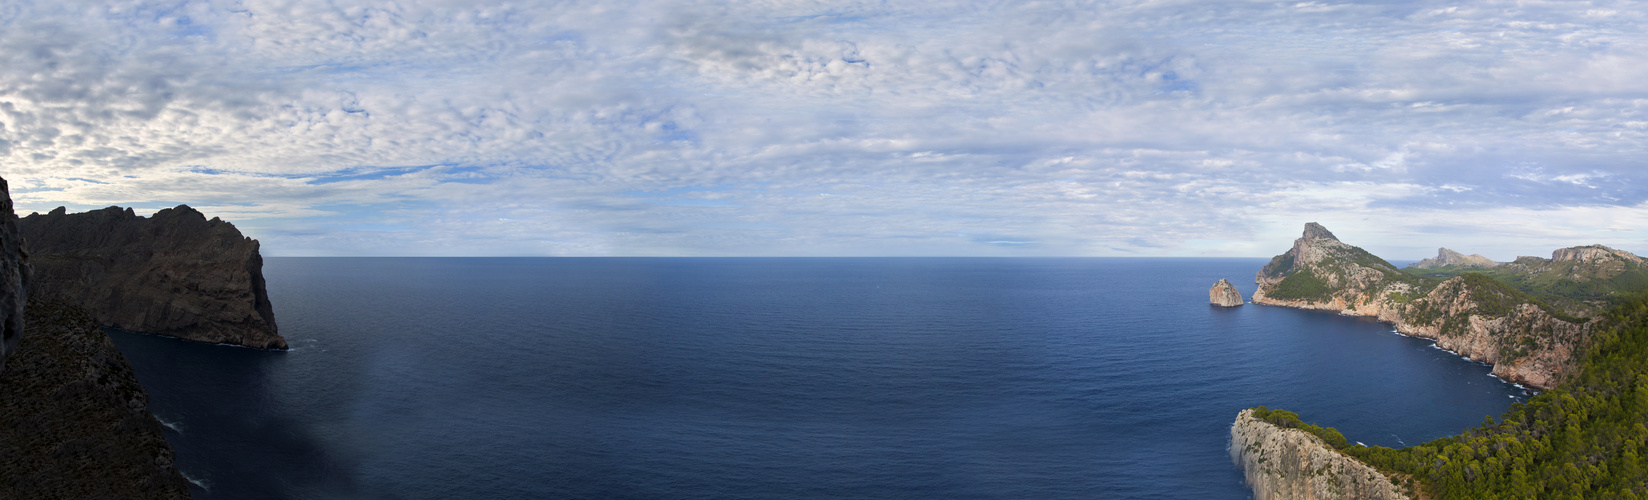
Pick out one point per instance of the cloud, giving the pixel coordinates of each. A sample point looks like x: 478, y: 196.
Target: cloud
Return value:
x: 711, y: 128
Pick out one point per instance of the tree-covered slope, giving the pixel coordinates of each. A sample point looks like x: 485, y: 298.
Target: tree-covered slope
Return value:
x: 1585, y: 439
x: 1582, y: 280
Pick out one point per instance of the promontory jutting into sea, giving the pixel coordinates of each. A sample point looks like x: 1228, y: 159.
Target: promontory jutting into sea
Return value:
x: 808, y: 377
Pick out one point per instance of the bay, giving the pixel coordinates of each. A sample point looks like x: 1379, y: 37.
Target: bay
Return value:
x: 777, y: 378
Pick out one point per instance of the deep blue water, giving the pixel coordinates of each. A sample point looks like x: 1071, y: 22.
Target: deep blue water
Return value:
x: 777, y: 378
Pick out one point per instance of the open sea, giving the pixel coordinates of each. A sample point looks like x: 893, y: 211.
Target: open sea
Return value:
x: 684, y: 378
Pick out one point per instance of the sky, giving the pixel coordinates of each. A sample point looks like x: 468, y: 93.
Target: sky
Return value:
x: 839, y: 128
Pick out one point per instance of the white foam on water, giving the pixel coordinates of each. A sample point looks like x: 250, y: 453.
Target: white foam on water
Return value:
x: 169, y: 425
x: 202, y: 483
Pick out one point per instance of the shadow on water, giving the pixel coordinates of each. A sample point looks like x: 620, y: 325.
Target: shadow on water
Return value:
x: 244, y: 414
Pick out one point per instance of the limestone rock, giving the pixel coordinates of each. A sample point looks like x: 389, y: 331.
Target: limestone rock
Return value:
x: 1291, y: 464
x: 1224, y: 294
x: 1445, y: 257
x: 14, y: 278
x: 1593, y: 253
x: 176, y: 273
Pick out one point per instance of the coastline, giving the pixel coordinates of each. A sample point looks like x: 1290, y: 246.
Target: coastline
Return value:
x: 1516, y: 374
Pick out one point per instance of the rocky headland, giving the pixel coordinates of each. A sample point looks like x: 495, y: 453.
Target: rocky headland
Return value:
x: 74, y: 423
x: 175, y: 274
x: 1526, y: 340
x: 1291, y: 464
x: 1224, y: 294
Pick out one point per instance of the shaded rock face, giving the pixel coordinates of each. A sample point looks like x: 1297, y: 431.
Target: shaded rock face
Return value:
x: 75, y: 423
x: 1445, y: 257
x: 14, y: 278
x: 174, y: 274
x: 1290, y: 464
x: 1224, y: 294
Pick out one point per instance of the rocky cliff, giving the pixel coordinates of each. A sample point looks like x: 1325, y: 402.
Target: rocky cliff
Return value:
x: 74, y: 423
x: 14, y: 278
x: 1291, y: 464
x: 1445, y: 257
x: 175, y: 274
x: 1525, y: 340
x: 1224, y: 294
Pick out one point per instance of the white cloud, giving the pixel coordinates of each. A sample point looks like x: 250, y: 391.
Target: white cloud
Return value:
x: 675, y: 127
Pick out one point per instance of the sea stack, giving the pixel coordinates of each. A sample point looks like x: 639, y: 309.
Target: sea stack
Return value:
x: 1224, y: 294
x: 175, y: 274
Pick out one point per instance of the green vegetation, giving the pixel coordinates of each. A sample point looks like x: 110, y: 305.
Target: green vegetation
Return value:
x: 1587, y: 439
x: 1290, y: 420
x: 1588, y: 286
x: 1301, y: 285
x: 1495, y: 298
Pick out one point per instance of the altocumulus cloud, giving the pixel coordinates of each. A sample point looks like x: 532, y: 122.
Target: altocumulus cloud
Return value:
x: 839, y: 128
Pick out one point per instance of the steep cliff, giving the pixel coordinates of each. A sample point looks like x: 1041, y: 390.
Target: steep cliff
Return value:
x: 1525, y: 339
x: 1445, y: 257
x: 1224, y: 294
x: 14, y: 278
x: 75, y: 423
x: 1291, y: 464
x: 174, y: 274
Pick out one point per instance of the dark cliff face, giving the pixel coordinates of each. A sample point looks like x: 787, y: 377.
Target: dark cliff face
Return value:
x: 74, y: 422
x: 14, y: 278
x: 176, y: 273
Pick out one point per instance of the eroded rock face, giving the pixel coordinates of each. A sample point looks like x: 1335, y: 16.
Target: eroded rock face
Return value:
x: 14, y: 278
x: 1593, y: 253
x: 1224, y: 294
x: 1290, y: 464
x: 176, y: 273
x: 1445, y: 257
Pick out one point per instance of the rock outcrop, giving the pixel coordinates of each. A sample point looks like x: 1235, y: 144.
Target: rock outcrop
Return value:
x: 74, y: 423
x: 1224, y: 294
x: 14, y: 278
x: 176, y: 273
x: 1473, y: 315
x: 1291, y: 464
x: 1446, y: 258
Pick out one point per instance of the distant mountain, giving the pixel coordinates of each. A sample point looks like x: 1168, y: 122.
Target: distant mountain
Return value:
x: 1582, y: 280
x: 1445, y: 257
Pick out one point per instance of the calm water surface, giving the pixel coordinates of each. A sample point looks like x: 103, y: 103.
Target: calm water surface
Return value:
x: 777, y: 378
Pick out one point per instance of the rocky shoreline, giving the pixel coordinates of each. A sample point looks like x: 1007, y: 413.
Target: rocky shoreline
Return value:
x: 1291, y: 464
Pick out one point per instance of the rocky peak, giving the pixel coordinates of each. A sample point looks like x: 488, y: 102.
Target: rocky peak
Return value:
x: 1314, y: 231
x: 1446, y: 257
x: 1592, y: 253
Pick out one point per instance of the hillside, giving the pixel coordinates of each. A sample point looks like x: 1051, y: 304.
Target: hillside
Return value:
x: 1585, y: 439
x: 1584, y: 280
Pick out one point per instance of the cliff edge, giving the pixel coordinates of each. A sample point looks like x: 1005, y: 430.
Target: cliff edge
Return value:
x: 75, y: 423
x: 1291, y: 464
x: 14, y: 278
x: 1472, y: 314
x: 176, y: 273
